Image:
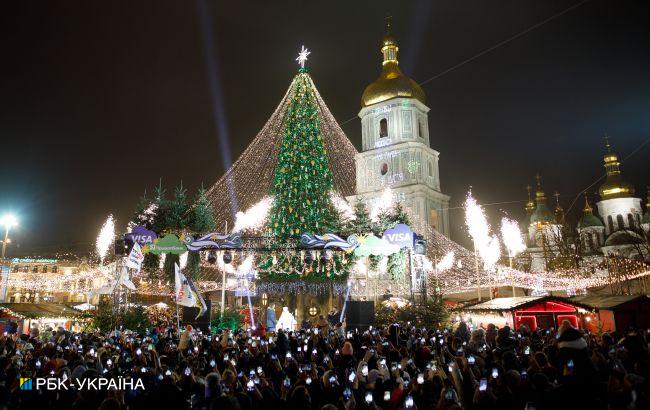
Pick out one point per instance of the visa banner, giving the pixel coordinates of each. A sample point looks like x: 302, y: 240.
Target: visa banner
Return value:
x: 400, y: 235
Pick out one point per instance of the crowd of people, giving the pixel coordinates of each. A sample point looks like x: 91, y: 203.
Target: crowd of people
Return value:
x: 402, y: 366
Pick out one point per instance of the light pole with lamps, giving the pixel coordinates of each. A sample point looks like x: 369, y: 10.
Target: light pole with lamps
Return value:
x: 9, y: 221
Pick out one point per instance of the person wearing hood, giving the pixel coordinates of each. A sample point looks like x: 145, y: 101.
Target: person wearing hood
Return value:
x: 577, y: 371
x: 505, y: 342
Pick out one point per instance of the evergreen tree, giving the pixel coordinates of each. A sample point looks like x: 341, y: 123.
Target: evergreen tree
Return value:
x: 141, y: 217
x: 362, y: 224
x: 303, y: 178
x: 202, y: 222
x: 157, y: 223
x: 391, y: 218
x: 177, y: 216
x: 176, y: 221
x: 301, y: 190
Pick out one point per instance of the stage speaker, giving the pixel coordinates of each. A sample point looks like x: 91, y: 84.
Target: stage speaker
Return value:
x: 202, y: 322
x: 360, y: 314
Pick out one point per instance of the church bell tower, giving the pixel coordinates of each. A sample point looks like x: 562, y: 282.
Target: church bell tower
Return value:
x: 396, y: 150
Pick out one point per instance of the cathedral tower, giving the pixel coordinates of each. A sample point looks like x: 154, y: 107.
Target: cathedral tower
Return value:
x: 618, y: 207
x: 395, y: 149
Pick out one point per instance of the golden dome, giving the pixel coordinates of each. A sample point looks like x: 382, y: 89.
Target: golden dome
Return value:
x: 614, y: 185
x: 530, y: 205
x: 392, y: 82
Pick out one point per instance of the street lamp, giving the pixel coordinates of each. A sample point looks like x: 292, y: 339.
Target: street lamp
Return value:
x: 9, y: 221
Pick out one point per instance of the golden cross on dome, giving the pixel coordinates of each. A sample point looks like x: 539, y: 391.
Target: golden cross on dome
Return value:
x: 609, y: 147
x: 388, y: 19
x: 302, y: 56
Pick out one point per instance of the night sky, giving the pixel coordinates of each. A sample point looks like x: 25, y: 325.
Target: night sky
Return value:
x: 98, y: 100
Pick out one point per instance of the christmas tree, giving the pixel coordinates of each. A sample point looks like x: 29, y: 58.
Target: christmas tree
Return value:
x: 361, y: 224
x: 176, y: 219
x: 301, y: 188
x: 303, y: 178
x: 202, y: 222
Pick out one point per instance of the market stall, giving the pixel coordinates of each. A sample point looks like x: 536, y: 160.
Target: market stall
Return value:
x: 617, y: 312
x: 533, y: 311
x: 41, y: 315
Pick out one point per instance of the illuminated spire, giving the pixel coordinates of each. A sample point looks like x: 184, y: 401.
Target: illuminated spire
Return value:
x: 392, y: 82
x: 530, y: 205
x: 540, y: 197
x: 588, y: 210
x: 542, y: 215
x: 614, y: 185
x: 389, y: 46
x: 588, y: 218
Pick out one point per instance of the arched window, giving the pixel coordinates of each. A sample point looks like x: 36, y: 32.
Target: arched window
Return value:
x: 620, y: 221
x: 430, y: 166
x: 610, y: 223
x: 630, y: 221
x: 383, y: 128
x: 384, y: 168
x: 420, y: 129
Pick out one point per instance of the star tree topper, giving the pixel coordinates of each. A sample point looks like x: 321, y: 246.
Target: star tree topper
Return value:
x: 302, y: 56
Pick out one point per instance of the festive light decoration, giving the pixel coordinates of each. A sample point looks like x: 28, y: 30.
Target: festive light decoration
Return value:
x: 477, y: 224
x: 446, y: 262
x: 255, y: 217
x: 302, y: 56
x: 491, y: 253
x: 346, y: 212
x: 183, y: 259
x: 105, y: 238
x: 383, y: 204
x: 251, y: 175
x: 511, y: 236
x: 303, y: 172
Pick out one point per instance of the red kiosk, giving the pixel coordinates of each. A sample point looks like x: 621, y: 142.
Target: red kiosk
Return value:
x: 533, y: 311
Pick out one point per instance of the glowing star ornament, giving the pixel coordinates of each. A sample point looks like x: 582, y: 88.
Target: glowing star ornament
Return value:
x: 302, y: 56
x: 512, y: 238
x: 105, y: 238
